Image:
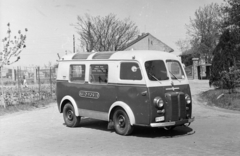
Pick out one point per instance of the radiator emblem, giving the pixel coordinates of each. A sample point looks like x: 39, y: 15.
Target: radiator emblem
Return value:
x: 172, y: 88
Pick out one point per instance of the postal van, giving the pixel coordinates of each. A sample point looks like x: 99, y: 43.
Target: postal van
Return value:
x: 125, y: 88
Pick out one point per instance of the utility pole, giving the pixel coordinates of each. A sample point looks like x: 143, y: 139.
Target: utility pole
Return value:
x: 58, y: 56
x: 73, y: 44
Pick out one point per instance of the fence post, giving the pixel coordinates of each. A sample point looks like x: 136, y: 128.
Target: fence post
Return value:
x: 18, y: 84
x: 51, y: 80
x: 35, y: 76
x: 39, y: 82
x: 13, y: 74
x: 2, y: 87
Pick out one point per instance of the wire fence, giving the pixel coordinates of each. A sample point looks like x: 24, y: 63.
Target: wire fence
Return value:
x: 27, y: 85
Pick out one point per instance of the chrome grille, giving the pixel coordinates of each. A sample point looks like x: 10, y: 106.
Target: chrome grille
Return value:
x: 182, y: 106
x: 175, y: 106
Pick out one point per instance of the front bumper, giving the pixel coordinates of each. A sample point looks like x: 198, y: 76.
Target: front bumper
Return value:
x: 173, y: 123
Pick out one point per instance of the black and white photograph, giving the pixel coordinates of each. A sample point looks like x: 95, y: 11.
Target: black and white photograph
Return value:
x: 119, y: 77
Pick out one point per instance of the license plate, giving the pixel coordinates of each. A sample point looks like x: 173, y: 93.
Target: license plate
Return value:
x: 161, y: 118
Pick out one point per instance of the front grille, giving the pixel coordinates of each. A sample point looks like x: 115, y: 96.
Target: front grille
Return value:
x: 174, y: 113
x: 182, y: 106
x: 175, y: 106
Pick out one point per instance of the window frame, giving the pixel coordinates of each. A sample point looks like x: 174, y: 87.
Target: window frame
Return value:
x: 130, y: 79
x: 167, y: 73
x: 70, y: 74
x: 90, y: 73
x: 181, y: 68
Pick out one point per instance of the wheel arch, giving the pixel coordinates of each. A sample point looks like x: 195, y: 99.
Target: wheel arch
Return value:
x: 125, y: 107
x: 67, y: 99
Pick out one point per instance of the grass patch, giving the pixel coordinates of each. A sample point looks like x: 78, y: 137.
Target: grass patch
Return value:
x: 25, y: 106
x: 222, y: 98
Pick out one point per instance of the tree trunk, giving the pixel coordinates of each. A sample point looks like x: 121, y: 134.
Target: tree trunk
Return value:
x: 234, y: 62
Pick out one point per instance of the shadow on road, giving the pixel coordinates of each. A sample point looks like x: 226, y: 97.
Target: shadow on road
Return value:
x: 162, y: 133
x: 94, y: 124
x: 139, y: 131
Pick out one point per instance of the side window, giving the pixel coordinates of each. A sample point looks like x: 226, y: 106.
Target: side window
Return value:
x: 77, y: 73
x: 175, y: 69
x: 98, y: 73
x: 130, y: 71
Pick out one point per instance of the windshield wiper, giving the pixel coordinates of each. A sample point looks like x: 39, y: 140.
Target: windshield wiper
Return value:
x: 155, y: 78
x: 174, y: 76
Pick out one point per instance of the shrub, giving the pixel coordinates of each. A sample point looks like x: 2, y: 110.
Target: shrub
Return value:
x: 9, y: 82
x: 15, y: 95
x: 231, y: 79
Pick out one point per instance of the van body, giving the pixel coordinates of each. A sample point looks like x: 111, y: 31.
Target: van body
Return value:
x: 126, y: 88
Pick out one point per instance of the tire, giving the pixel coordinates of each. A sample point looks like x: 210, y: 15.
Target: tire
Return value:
x: 121, y: 122
x: 70, y: 119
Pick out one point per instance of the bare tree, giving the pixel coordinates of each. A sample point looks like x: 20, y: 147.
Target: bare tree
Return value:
x: 105, y: 33
x: 11, y: 51
x: 205, y: 29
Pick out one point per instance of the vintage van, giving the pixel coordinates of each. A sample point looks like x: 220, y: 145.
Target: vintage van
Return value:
x: 125, y: 88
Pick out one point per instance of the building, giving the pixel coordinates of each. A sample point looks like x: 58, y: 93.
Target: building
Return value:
x: 146, y: 41
x: 6, y: 73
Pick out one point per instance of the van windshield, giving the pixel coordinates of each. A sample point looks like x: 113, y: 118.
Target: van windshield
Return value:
x: 156, y: 70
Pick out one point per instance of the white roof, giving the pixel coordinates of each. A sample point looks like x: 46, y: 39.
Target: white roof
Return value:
x: 140, y: 55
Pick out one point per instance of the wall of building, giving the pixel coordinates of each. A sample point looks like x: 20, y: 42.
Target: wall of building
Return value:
x: 140, y: 45
x: 5, y: 72
x: 149, y: 43
x: 194, y: 68
x: 155, y: 44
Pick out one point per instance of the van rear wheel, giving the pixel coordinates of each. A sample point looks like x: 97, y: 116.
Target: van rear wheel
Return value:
x: 70, y: 119
x: 121, y: 122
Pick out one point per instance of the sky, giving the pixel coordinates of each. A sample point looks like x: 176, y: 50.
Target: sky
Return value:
x: 50, y: 22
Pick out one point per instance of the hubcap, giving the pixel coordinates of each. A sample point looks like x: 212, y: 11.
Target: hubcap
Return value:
x: 70, y: 115
x: 121, y: 121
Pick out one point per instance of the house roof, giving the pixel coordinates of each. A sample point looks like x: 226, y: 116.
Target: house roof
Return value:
x: 140, y: 37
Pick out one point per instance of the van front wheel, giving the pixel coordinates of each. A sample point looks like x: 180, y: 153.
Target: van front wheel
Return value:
x: 121, y: 122
x: 70, y: 119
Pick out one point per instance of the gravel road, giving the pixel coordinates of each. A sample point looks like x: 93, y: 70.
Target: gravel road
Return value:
x: 42, y: 131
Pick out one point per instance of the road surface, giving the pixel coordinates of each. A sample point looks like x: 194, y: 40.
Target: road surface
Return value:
x: 42, y: 132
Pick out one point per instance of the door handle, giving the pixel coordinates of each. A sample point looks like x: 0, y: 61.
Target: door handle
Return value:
x: 144, y: 93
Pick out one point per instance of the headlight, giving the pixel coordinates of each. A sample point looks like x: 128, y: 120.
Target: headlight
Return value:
x: 158, y: 102
x: 188, y: 99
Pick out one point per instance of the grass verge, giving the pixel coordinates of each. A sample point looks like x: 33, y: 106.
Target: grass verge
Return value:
x: 25, y: 106
x: 221, y: 98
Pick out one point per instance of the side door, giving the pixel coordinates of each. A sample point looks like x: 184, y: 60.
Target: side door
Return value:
x: 133, y: 91
x: 97, y: 95
x: 77, y: 76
